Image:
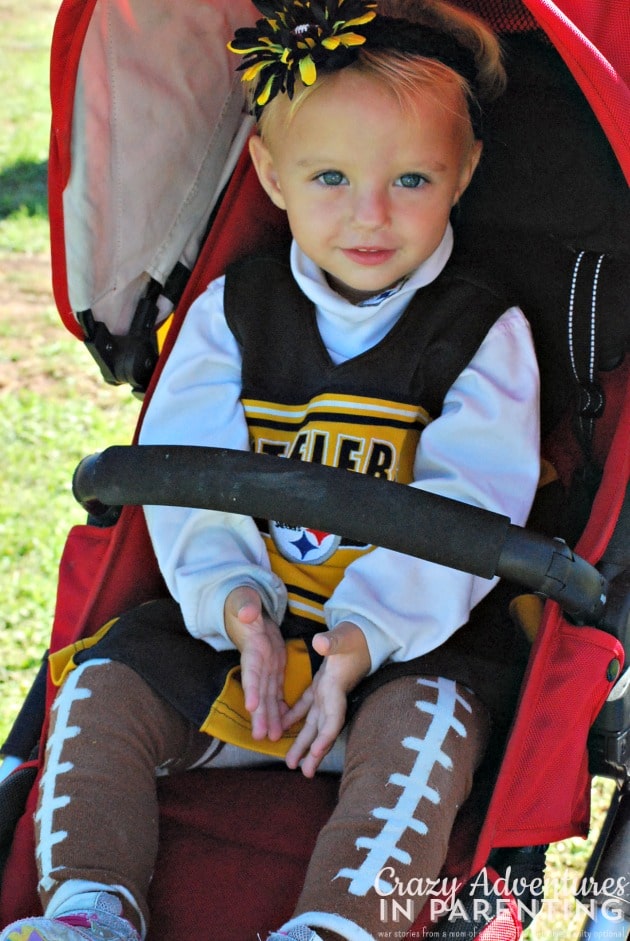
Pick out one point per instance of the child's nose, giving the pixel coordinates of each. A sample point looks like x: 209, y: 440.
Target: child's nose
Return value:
x: 371, y: 208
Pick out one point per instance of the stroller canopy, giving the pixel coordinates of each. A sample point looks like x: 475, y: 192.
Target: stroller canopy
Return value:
x: 148, y: 121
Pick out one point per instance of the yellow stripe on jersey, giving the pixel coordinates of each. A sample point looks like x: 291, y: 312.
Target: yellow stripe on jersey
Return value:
x: 343, y: 405
x: 366, y: 435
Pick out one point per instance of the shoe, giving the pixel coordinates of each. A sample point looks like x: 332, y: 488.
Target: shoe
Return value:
x: 102, y: 923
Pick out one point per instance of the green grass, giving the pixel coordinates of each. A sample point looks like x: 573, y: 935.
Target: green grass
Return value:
x: 43, y: 443
x: 23, y: 209
x: 48, y: 423
x: 25, y: 34
x: 54, y: 409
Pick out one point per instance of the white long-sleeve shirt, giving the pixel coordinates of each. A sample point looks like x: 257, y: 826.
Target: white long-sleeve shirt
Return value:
x: 482, y: 450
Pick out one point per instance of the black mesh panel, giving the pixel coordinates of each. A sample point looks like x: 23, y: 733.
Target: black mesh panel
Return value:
x: 504, y: 16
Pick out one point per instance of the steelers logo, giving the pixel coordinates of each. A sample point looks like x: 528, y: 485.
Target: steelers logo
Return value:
x: 300, y: 544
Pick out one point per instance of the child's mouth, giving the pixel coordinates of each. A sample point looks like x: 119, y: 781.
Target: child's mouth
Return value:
x: 368, y: 256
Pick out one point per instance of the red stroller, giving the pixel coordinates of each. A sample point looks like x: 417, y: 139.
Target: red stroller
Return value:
x: 130, y: 81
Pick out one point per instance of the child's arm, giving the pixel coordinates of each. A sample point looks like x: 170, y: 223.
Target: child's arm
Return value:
x: 323, y: 704
x: 484, y: 450
x: 263, y: 660
x: 204, y: 554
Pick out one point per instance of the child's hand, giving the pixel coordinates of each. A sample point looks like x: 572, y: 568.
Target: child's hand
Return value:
x: 324, y: 703
x: 263, y: 660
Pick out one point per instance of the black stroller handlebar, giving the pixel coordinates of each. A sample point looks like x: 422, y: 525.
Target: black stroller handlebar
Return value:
x: 366, y: 509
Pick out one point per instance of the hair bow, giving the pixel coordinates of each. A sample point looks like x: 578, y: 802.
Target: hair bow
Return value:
x: 295, y: 39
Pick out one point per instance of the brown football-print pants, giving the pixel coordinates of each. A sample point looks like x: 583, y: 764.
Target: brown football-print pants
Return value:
x: 410, y: 754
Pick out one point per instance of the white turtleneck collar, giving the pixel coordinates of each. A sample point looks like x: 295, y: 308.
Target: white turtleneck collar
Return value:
x: 346, y: 329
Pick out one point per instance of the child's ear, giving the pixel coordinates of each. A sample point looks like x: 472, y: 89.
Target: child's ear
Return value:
x: 469, y: 166
x: 264, y: 166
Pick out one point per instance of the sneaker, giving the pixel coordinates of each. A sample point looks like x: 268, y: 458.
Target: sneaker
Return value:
x: 102, y: 923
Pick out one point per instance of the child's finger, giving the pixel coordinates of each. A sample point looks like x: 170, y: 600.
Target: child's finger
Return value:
x: 251, y: 682
x: 317, y: 737
x: 302, y: 743
x: 331, y: 642
x: 307, y: 734
x: 263, y: 662
x: 244, y: 604
x: 345, y: 638
x: 318, y: 750
x: 271, y: 721
x: 263, y: 719
x: 298, y: 710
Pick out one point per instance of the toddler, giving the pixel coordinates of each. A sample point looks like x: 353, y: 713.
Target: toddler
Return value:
x: 370, y: 347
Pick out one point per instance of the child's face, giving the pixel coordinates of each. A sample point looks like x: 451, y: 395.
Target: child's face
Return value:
x: 367, y: 186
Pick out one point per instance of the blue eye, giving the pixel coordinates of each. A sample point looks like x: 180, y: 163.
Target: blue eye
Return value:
x: 331, y: 178
x: 411, y: 180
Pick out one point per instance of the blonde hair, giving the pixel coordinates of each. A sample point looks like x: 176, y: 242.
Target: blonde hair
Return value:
x: 469, y: 30
x: 403, y: 73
